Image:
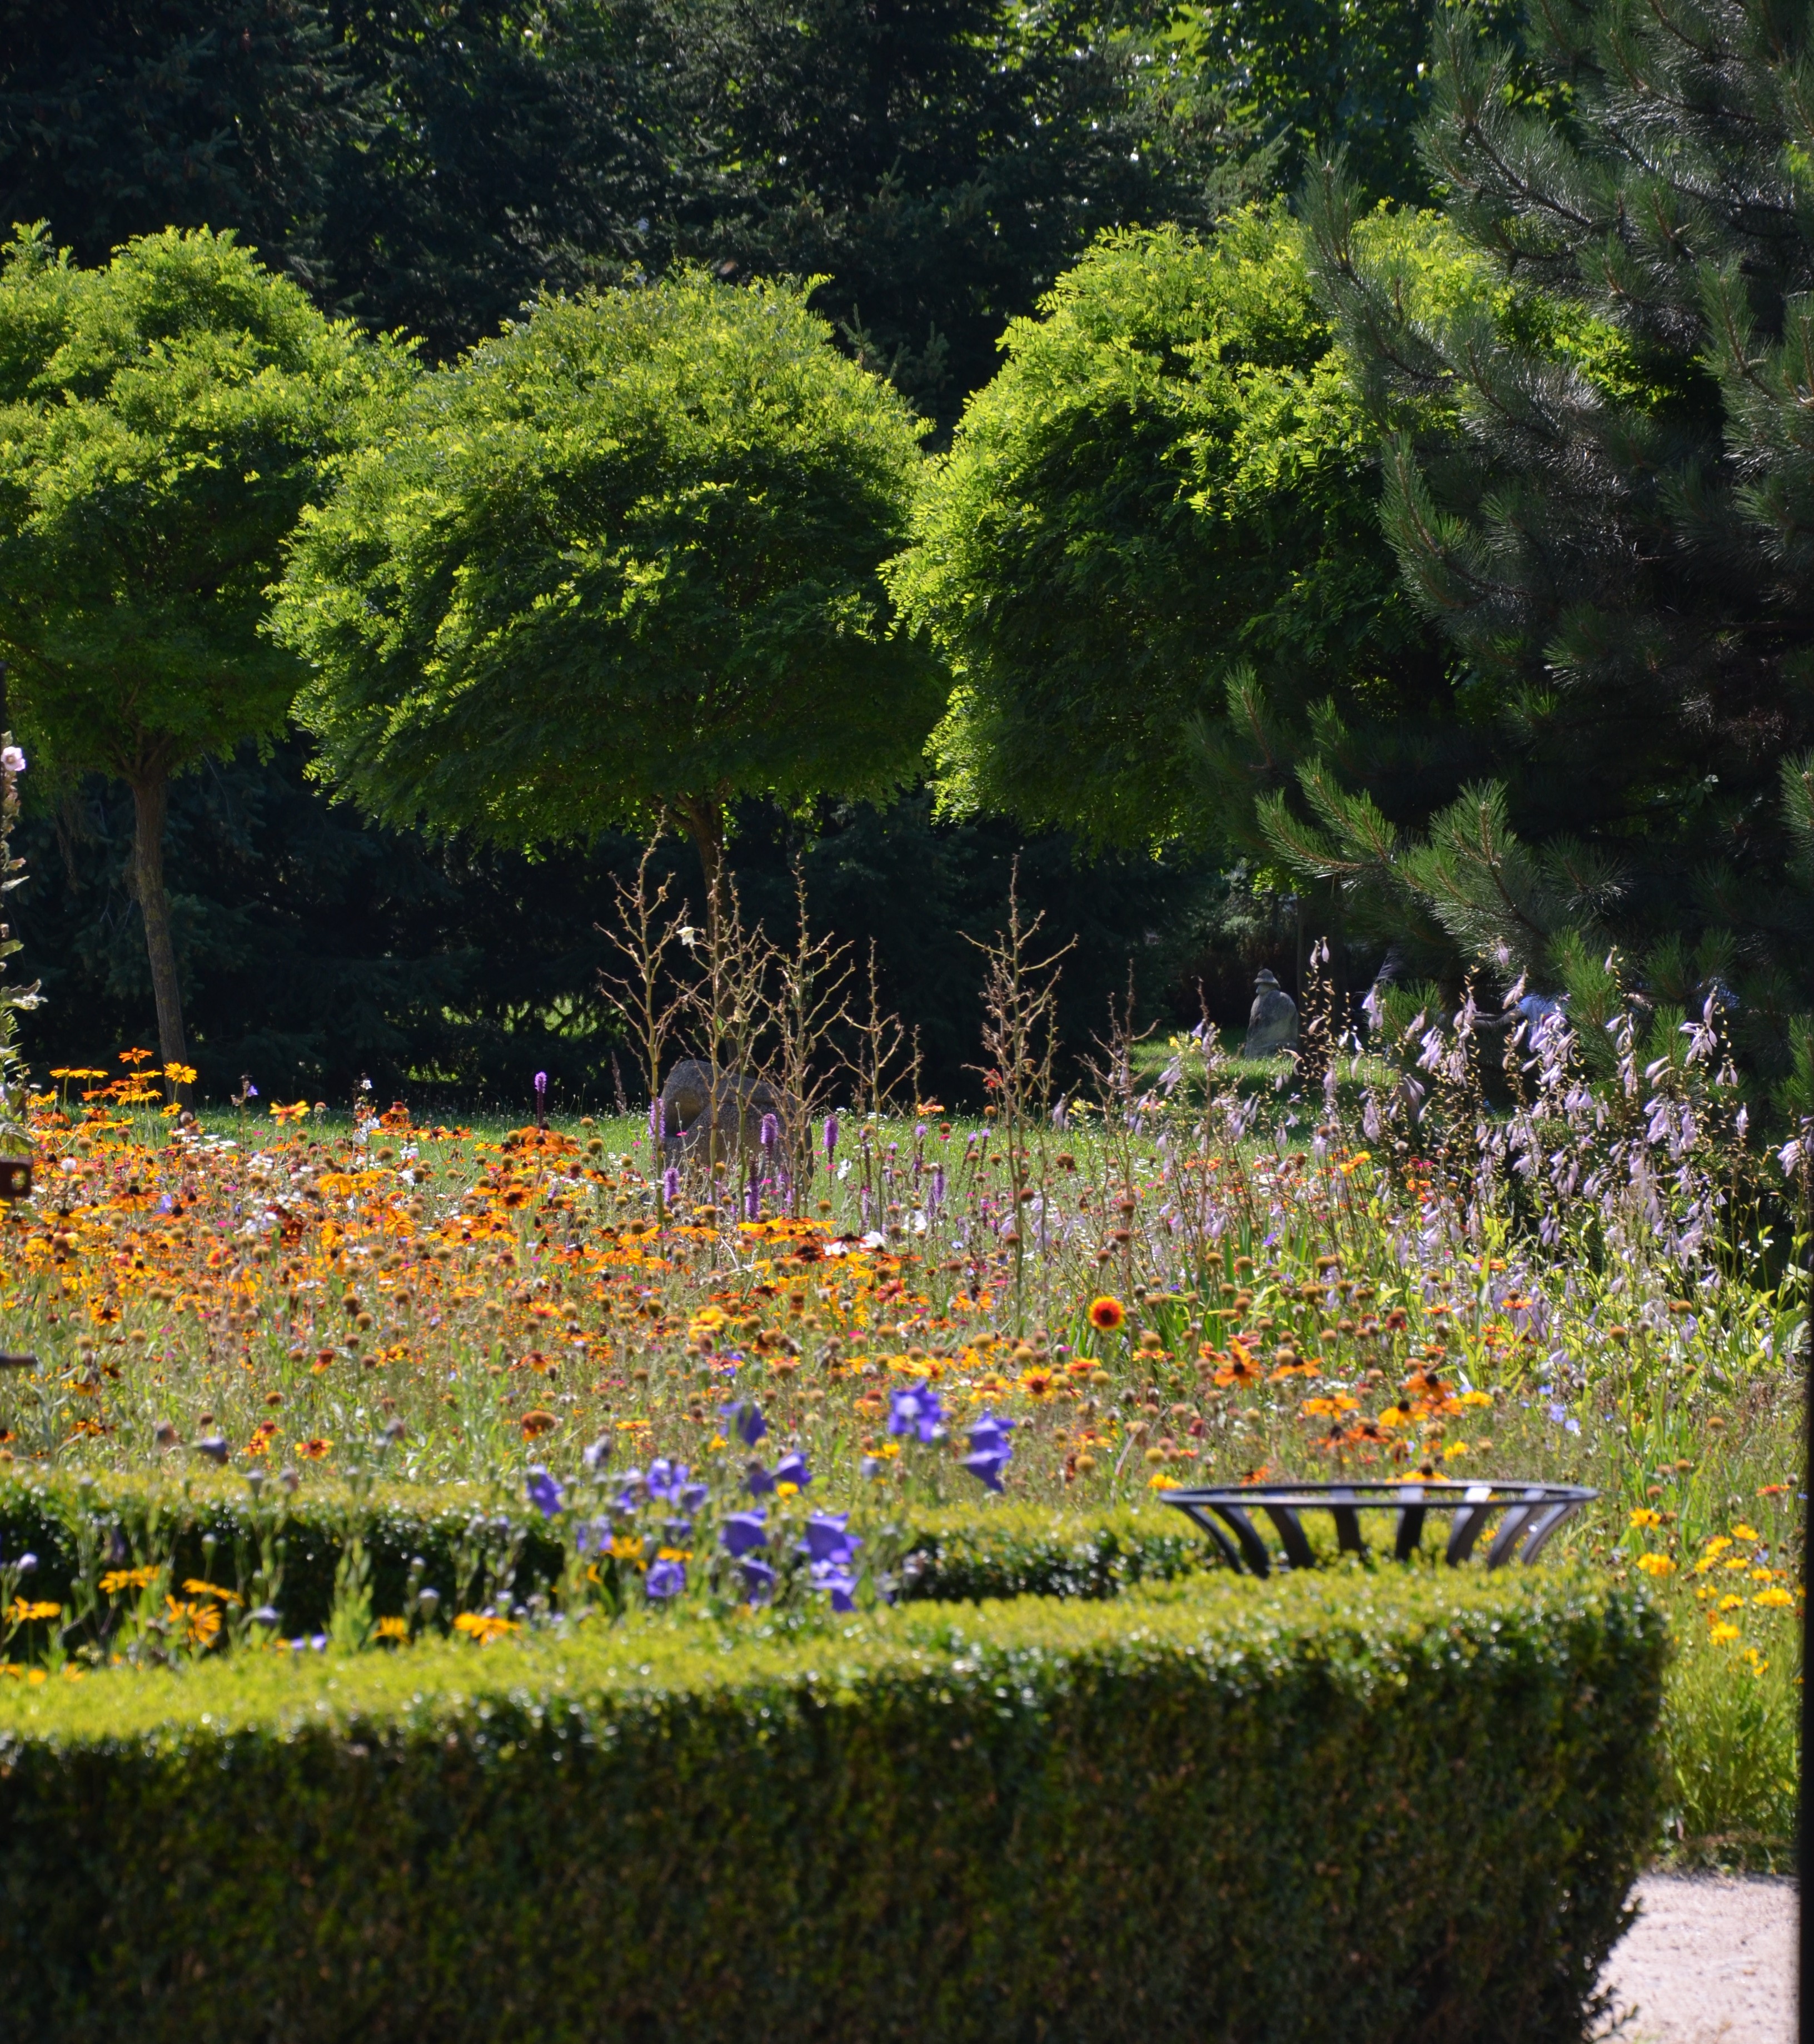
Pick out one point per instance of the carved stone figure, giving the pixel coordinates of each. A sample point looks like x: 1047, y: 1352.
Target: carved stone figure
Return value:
x: 692, y: 1108
x: 1273, y: 1026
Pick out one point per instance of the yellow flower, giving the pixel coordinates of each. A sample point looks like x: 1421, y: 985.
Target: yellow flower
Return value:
x: 1656, y: 1565
x: 1163, y: 1483
x: 1477, y: 1398
x: 1644, y: 1516
x: 482, y: 1627
x: 116, y: 1579
x: 1454, y: 1448
x: 393, y: 1628
x: 1745, y: 1533
x: 1773, y: 1600
x: 1730, y: 1603
x: 27, y: 1614
x: 1721, y: 1634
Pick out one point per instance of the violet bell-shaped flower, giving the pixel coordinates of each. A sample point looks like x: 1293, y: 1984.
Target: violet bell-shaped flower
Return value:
x: 743, y: 1531
x: 829, y: 1539
x: 834, y: 1578
x: 545, y: 1493
x: 917, y: 1411
x: 759, y: 1579
x: 791, y: 1469
x: 990, y: 1449
x: 665, y: 1578
x: 747, y: 1424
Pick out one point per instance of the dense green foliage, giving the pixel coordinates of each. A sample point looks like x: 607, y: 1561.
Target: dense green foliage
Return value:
x: 162, y: 421
x: 1163, y: 505
x: 1599, y: 490
x: 1422, y: 1797
x: 620, y: 565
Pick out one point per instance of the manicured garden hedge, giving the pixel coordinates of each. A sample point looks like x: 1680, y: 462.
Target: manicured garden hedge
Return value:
x: 988, y: 1550
x: 1391, y: 1806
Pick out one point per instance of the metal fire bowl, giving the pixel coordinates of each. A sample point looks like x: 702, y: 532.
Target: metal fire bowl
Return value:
x: 1530, y: 1513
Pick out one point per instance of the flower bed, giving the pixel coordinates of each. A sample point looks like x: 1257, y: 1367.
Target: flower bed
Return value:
x: 1220, y: 1808
x: 461, y: 1539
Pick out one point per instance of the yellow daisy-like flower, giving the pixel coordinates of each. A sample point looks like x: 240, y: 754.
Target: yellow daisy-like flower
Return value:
x: 1773, y: 1600
x: 1721, y: 1634
x: 1656, y: 1565
x: 1644, y: 1516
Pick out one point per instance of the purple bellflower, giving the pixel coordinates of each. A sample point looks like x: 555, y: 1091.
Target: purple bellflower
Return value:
x: 917, y: 1411
x: 828, y: 1538
x: 989, y: 1450
x: 545, y: 1493
x: 743, y: 1531
x: 666, y: 1579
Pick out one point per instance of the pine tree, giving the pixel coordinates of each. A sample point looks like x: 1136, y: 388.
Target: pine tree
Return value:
x: 1600, y: 483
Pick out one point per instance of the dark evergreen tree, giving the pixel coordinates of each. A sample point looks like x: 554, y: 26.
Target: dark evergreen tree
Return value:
x: 1600, y: 488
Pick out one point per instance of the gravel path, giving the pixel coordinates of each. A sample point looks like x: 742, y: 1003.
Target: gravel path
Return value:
x: 1711, y: 1961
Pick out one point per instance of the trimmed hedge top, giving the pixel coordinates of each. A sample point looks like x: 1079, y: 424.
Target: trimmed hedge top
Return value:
x: 1365, y: 1628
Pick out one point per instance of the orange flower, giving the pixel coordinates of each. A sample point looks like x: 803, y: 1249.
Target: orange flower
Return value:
x: 1239, y: 1368
x: 537, y: 1421
x: 314, y: 1450
x: 1107, y: 1314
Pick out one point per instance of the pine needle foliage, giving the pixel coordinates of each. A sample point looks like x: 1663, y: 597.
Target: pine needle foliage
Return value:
x: 1599, y: 483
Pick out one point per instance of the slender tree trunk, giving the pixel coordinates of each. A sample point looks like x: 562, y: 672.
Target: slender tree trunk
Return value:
x: 151, y: 801
x: 703, y: 815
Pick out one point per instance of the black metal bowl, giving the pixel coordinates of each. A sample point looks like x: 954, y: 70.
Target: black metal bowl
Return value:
x: 1531, y: 1513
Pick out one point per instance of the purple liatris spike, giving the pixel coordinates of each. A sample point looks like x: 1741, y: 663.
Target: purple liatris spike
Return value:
x: 830, y: 1136
x: 541, y: 1086
x: 771, y: 1133
x: 657, y: 1121
x: 671, y: 1184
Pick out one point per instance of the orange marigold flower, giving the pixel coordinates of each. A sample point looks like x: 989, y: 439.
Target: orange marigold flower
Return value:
x: 1107, y: 1314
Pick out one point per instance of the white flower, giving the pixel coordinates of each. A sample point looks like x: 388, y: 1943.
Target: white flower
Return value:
x: 12, y: 759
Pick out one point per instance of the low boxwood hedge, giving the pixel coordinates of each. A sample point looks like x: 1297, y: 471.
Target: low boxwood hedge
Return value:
x: 1396, y: 1806
x: 987, y: 1550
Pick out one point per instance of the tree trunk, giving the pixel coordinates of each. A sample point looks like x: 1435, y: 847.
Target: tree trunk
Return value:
x: 151, y: 800
x: 703, y: 817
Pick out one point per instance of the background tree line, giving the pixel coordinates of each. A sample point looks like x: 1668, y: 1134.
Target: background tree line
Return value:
x: 1439, y: 572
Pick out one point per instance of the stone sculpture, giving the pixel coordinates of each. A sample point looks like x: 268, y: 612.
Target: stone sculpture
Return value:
x: 692, y: 1109
x: 1272, y: 1025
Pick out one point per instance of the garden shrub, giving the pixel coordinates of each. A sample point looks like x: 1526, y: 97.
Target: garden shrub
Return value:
x: 1395, y: 1805
x: 984, y: 1549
